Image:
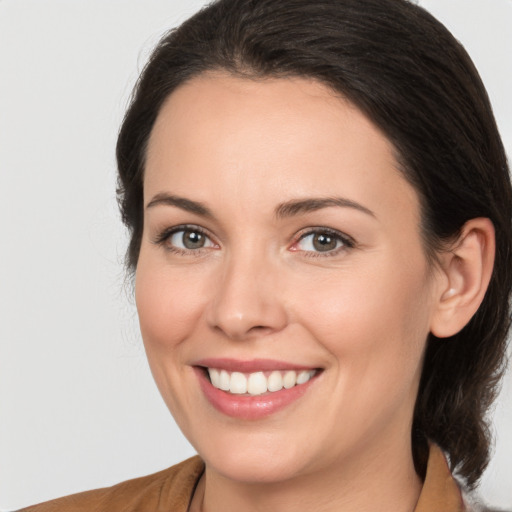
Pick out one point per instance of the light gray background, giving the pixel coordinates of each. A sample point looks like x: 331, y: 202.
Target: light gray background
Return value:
x: 78, y: 407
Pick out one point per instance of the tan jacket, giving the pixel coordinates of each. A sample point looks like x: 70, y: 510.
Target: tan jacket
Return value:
x: 171, y: 490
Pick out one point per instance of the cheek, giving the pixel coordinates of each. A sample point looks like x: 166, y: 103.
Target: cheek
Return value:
x: 169, y: 308
x: 168, y: 304
x: 380, y: 315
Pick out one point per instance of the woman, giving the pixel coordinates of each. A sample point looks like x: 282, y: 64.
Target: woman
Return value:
x: 319, y: 206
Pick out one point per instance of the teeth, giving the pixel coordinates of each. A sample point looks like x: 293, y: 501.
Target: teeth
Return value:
x: 215, y: 377
x: 224, y: 380
x: 303, y: 377
x: 257, y: 383
x: 238, y: 383
x: 290, y: 379
x: 275, y: 381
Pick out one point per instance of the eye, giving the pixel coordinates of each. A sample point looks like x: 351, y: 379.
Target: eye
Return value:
x: 189, y: 239
x: 184, y: 239
x: 322, y: 241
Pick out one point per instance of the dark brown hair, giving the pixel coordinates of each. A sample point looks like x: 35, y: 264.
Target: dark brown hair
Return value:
x: 408, y: 74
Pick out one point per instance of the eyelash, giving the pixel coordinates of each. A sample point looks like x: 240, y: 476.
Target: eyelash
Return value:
x: 164, y: 237
x: 347, y: 242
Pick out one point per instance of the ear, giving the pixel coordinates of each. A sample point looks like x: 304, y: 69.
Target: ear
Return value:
x: 466, y: 269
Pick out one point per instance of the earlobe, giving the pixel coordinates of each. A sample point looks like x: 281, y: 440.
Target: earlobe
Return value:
x: 465, y: 272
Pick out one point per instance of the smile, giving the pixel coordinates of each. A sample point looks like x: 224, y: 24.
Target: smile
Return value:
x: 258, y: 383
x: 253, y: 390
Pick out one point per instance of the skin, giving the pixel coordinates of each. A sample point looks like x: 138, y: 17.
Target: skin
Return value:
x: 257, y: 290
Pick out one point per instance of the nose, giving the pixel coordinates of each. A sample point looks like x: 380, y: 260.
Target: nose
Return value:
x: 247, y: 302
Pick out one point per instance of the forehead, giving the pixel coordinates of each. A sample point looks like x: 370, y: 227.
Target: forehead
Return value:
x: 268, y: 139
x: 223, y: 109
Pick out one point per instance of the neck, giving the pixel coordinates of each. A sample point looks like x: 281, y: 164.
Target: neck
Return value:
x: 373, y: 483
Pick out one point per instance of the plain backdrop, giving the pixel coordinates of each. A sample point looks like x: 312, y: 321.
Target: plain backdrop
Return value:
x: 78, y: 407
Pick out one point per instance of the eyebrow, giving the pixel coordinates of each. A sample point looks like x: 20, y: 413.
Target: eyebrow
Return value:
x: 180, y: 202
x: 296, y: 207
x: 287, y: 209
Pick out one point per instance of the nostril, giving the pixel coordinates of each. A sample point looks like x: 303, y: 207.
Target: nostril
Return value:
x: 259, y: 329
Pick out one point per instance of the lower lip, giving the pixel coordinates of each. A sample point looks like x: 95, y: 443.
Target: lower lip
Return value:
x: 250, y: 407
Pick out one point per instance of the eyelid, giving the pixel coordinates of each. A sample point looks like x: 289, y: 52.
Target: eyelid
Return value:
x: 347, y: 241
x: 165, y: 234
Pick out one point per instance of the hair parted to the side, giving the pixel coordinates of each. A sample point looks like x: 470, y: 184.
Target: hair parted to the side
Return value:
x: 408, y: 74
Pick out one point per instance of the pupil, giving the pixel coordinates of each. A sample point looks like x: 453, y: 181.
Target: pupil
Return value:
x: 323, y: 242
x: 193, y: 240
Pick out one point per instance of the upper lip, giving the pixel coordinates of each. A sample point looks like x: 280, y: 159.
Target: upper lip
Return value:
x: 250, y: 366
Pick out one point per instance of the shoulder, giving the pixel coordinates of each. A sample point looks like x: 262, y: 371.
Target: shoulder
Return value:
x: 157, y: 492
x: 444, y: 491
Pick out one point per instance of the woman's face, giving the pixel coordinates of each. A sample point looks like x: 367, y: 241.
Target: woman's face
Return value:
x: 281, y: 243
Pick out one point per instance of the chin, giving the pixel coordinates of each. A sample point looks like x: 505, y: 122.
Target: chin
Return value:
x: 258, y: 469
x: 255, y: 459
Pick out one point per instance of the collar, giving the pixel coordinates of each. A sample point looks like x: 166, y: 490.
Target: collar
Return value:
x: 440, y: 490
